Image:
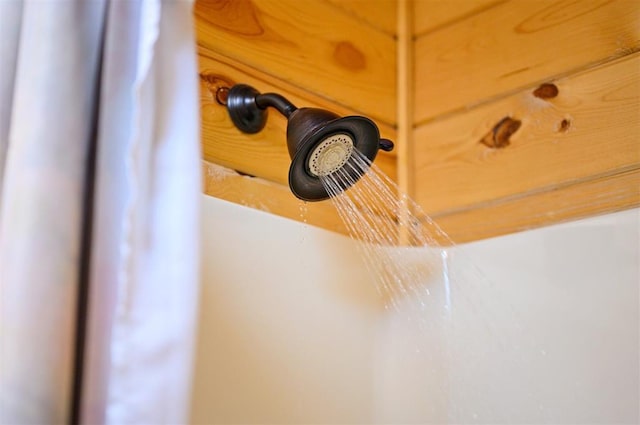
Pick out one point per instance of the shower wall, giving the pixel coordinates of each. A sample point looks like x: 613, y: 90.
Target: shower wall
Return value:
x: 287, y: 324
x: 293, y: 331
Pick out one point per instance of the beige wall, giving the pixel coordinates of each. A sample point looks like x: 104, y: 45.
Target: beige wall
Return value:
x: 536, y: 327
x: 288, y: 323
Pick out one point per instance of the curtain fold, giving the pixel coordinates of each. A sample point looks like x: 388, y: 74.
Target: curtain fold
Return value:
x: 154, y: 209
x: 46, y: 143
x: 144, y: 251
x: 10, y: 20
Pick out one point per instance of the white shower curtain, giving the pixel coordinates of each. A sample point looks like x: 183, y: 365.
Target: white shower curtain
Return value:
x: 100, y: 186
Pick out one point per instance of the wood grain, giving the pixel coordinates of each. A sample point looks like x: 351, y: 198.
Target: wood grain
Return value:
x: 263, y: 154
x: 600, y: 195
x: 380, y: 14
x: 592, y: 127
x: 430, y: 15
x: 405, y: 104
x: 405, y: 97
x: 313, y: 45
x: 527, y: 113
x: 515, y: 44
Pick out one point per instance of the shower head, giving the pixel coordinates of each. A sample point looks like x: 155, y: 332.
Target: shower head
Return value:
x: 320, y: 143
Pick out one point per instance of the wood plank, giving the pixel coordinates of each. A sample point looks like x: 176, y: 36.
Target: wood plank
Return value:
x: 516, y: 44
x: 405, y: 105
x: 380, y: 14
x: 277, y: 199
x: 430, y: 15
x: 269, y: 197
x: 591, y: 127
x: 598, y: 196
x: 310, y: 44
x: 264, y: 154
x: 405, y: 98
x: 574, y: 201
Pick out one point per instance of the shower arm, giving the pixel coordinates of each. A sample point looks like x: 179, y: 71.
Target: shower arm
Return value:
x: 247, y: 108
x: 276, y: 101
x: 286, y: 108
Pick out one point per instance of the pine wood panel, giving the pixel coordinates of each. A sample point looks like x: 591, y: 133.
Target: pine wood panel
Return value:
x: 263, y: 154
x: 269, y: 197
x: 405, y: 97
x: 381, y: 14
x: 430, y: 15
x: 405, y: 105
x: 311, y: 44
x: 568, y: 151
x: 601, y: 195
x: 591, y: 127
x: 516, y: 44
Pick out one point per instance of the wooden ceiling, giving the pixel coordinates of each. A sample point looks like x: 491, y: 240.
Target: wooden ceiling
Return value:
x: 507, y: 115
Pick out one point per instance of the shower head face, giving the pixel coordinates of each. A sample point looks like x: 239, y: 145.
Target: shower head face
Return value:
x: 328, y: 149
x: 330, y: 154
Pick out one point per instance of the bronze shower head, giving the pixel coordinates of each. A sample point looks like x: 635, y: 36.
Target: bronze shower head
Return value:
x: 319, y: 141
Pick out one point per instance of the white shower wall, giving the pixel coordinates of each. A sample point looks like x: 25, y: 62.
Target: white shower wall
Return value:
x: 540, y: 326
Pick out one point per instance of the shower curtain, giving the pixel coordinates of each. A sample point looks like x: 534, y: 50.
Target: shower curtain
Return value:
x: 99, y: 211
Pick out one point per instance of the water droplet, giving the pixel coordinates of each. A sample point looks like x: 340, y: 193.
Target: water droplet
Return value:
x: 302, y: 207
